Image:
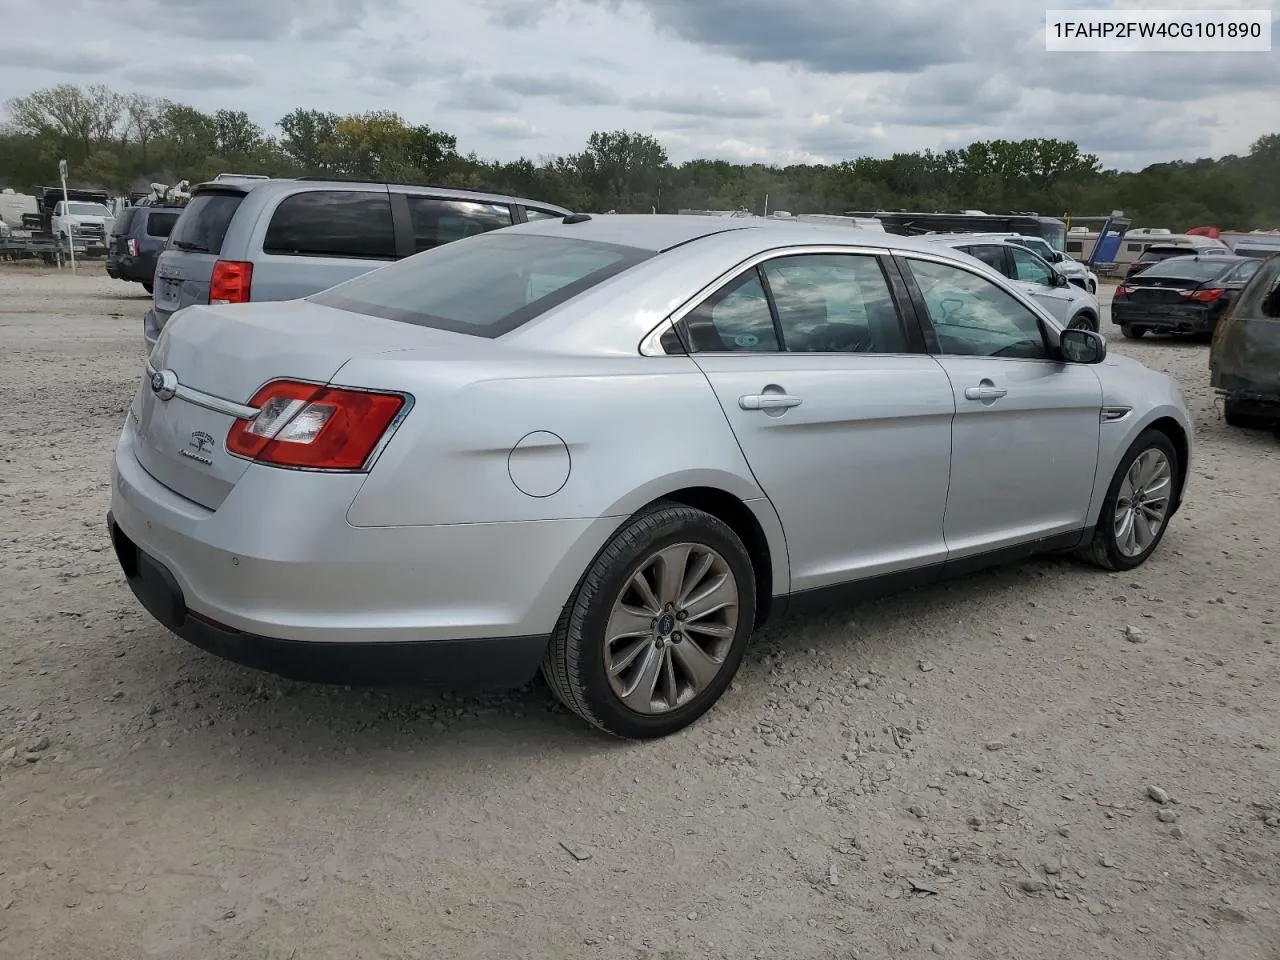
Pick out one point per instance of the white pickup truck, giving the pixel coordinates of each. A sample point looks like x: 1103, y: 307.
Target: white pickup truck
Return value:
x: 83, y: 223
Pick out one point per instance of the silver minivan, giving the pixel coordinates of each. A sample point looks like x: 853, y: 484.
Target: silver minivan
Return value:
x: 242, y: 239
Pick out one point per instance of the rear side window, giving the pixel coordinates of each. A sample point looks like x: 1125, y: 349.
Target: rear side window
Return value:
x: 531, y: 213
x: 120, y: 227
x: 484, y: 286
x: 202, y: 226
x: 437, y: 221
x: 1261, y: 295
x: 332, y: 223
x: 161, y: 224
x: 990, y: 254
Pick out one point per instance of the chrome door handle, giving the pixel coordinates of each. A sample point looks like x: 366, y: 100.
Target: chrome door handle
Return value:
x: 987, y: 391
x: 768, y: 401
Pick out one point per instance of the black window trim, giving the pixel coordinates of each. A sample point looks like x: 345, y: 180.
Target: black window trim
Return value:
x: 917, y: 338
x: 921, y: 309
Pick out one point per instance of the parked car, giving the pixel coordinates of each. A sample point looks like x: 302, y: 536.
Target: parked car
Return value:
x: 1186, y: 294
x: 612, y: 447
x: 245, y: 239
x: 1070, y: 305
x: 137, y: 238
x: 1244, y: 361
x: 1073, y: 270
x: 1157, y: 252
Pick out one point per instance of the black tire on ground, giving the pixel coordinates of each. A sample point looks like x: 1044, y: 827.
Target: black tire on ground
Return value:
x: 1102, y: 550
x: 1133, y: 333
x: 1236, y: 418
x: 148, y: 286
x: 1083, y: 321
x: 574, y: 665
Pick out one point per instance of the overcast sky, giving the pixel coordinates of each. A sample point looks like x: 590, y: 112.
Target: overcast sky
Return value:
x: 775, y: 81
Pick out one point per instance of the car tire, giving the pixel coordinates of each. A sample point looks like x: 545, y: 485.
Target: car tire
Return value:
x: 578, y: 658
x: 1133, y: 333
x: 1109, y: 548
x: 1084, y: 320
x: 148, y: 286
x: 1235, y: 418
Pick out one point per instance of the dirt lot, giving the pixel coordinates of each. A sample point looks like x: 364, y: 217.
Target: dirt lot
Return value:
x: 963, y: 770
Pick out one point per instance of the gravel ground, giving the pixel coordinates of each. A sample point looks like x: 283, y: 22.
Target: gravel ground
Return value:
x: 1039, y: 761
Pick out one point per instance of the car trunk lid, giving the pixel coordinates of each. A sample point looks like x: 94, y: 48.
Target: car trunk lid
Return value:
x: 185, y: 267
x: 1146, y: 289
x: 217, y: 358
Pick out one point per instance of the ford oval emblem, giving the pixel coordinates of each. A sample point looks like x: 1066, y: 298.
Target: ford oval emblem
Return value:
x: 164, y: 384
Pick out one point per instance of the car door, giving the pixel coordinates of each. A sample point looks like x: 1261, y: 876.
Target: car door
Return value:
x: 843, y: 417
x: 1024, y: 444
x: 316, y: 239
x: 1036, y: 278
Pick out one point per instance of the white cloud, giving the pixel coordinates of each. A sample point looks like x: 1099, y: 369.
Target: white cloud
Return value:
x: 768, y: 80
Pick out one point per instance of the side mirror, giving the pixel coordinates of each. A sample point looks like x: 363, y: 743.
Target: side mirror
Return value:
x: 1082, y: 346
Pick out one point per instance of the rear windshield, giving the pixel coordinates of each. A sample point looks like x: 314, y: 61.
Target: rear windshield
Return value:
x: 120, y: 226
x: 1155, y: 254
x: 161, y: 224
x: 204, y: 221
x: 1185, y: 269
x: 485, y: 286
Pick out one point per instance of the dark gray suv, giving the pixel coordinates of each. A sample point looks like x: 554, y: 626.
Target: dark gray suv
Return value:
x: 138, y: 236
x: 241, y: 240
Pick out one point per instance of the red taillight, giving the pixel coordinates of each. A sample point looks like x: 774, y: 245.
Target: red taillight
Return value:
x: 230, y: 281
x: 1203, y: 296
x: 317, y: 427
x: 133, y: 247
x: 1121, y: 292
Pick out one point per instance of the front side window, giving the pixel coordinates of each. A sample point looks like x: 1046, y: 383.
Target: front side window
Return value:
x: 973, y: 317
x: 1029, y: 268
x: 332, y: 223
x: 834, y: 303
x: 437, y: 221
x: 734, y: 318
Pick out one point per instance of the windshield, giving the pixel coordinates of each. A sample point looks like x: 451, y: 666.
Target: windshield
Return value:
x: 1184, y: 269
x: 203, y: 223
x: 88, y: 210
x: 1055, y: 234
x: 486, y: 285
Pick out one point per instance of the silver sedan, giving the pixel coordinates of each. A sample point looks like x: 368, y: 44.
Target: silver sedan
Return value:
x: 611, y: 447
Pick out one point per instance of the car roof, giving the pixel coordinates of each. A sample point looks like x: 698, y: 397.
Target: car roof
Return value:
x: 663, y: 231
x: 308, y: 184
x: 1229, y: 259
x: 965, y: 239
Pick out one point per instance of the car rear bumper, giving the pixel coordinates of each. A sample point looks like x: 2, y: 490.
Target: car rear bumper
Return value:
x: 474, y: 663
x: 1179, y: 319
x: 276, y: 578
